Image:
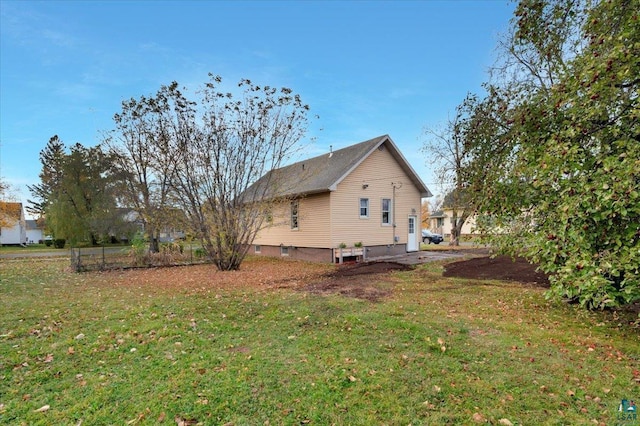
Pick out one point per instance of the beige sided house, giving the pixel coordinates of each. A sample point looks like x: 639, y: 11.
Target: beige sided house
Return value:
x: 365, y: 197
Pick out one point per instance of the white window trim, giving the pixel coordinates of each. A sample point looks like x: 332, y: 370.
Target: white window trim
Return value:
x: 360, y: 208
x: 390, y: 212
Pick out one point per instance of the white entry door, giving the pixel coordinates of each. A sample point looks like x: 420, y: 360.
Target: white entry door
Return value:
x: 412, y: 240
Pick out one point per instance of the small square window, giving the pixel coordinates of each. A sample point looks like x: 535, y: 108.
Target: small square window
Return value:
x: 364, y: 208
x: 257, y: 249
x: 284, y: 251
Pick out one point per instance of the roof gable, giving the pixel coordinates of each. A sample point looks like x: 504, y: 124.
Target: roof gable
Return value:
x: 323, y: 173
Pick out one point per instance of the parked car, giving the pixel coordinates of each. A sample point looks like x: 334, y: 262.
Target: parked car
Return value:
x: 430, y: 237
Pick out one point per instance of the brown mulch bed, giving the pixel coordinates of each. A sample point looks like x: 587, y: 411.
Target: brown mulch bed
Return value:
x: 498, y: 268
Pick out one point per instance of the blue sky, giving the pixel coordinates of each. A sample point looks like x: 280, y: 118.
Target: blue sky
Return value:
x: 366, y: 68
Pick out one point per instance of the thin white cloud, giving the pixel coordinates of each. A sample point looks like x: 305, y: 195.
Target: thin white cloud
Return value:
x: 58, y: 38
x: 399, y: 93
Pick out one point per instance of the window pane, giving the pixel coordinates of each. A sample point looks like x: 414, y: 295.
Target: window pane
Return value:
x: 294, y: 215
x: 386, y: 211
x: 364, y: 207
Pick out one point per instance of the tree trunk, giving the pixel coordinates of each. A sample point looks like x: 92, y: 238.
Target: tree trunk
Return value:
x: 455, y: 236
x: 154, y: 245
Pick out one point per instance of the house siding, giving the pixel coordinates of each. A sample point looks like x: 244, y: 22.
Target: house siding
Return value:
x: 313, y: 225
x: 332, y: 218
x: 378, y: 172
x: 469, y: 227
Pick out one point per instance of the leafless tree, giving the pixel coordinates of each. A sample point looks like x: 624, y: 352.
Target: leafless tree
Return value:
x: 233, y: 143
x: 445, y: 148
x: 200, y: 157
x: 144, y: 148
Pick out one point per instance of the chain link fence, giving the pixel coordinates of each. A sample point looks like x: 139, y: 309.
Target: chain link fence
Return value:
x: 109, y: 257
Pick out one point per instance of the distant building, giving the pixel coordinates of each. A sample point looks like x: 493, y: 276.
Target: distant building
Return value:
x: 441, y: 222
x: 35, y: 233
x: 13, y: 230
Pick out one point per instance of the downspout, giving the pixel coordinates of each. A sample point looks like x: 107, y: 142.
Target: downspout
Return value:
x: 394, y: 185
x: 393, y: 212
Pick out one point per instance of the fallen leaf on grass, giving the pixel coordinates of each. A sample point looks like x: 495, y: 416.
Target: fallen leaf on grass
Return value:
x: 71, y: 350
x: 478, y: 418
x: 42, y: 409
x: 48, y: 358
x: 185, y: 422
x: 505, y: 422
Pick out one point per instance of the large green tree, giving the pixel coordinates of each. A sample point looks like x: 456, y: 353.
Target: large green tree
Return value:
x: 559, y: 137
x: 75, y: 193
x: 51, y: 158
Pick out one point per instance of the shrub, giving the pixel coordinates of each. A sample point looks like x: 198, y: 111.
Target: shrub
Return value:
x: 59, y: 243
x: 199, y: 253
x: 48, y: 243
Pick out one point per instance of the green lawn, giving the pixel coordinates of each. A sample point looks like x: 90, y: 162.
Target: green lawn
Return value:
x: 436, y: 351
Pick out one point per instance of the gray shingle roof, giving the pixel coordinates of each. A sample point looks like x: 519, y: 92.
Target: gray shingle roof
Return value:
x: 31, y: 224
x: 323, y: 173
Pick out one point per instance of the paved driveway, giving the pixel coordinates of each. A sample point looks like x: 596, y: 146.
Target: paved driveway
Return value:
x: 417, y: 257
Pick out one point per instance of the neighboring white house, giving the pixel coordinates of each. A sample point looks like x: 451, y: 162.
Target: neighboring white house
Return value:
x: 365, y: 198
x: 15, y: 231
x: 167, y: 233
x: 35, y: 233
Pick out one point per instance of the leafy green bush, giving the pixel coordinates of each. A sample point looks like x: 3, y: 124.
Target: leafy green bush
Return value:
x: 59, y: 243
x: 138, y: 248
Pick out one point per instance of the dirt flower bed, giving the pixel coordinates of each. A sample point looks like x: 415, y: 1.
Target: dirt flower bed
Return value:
x: 368, y: 281
x: 498, y: 268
